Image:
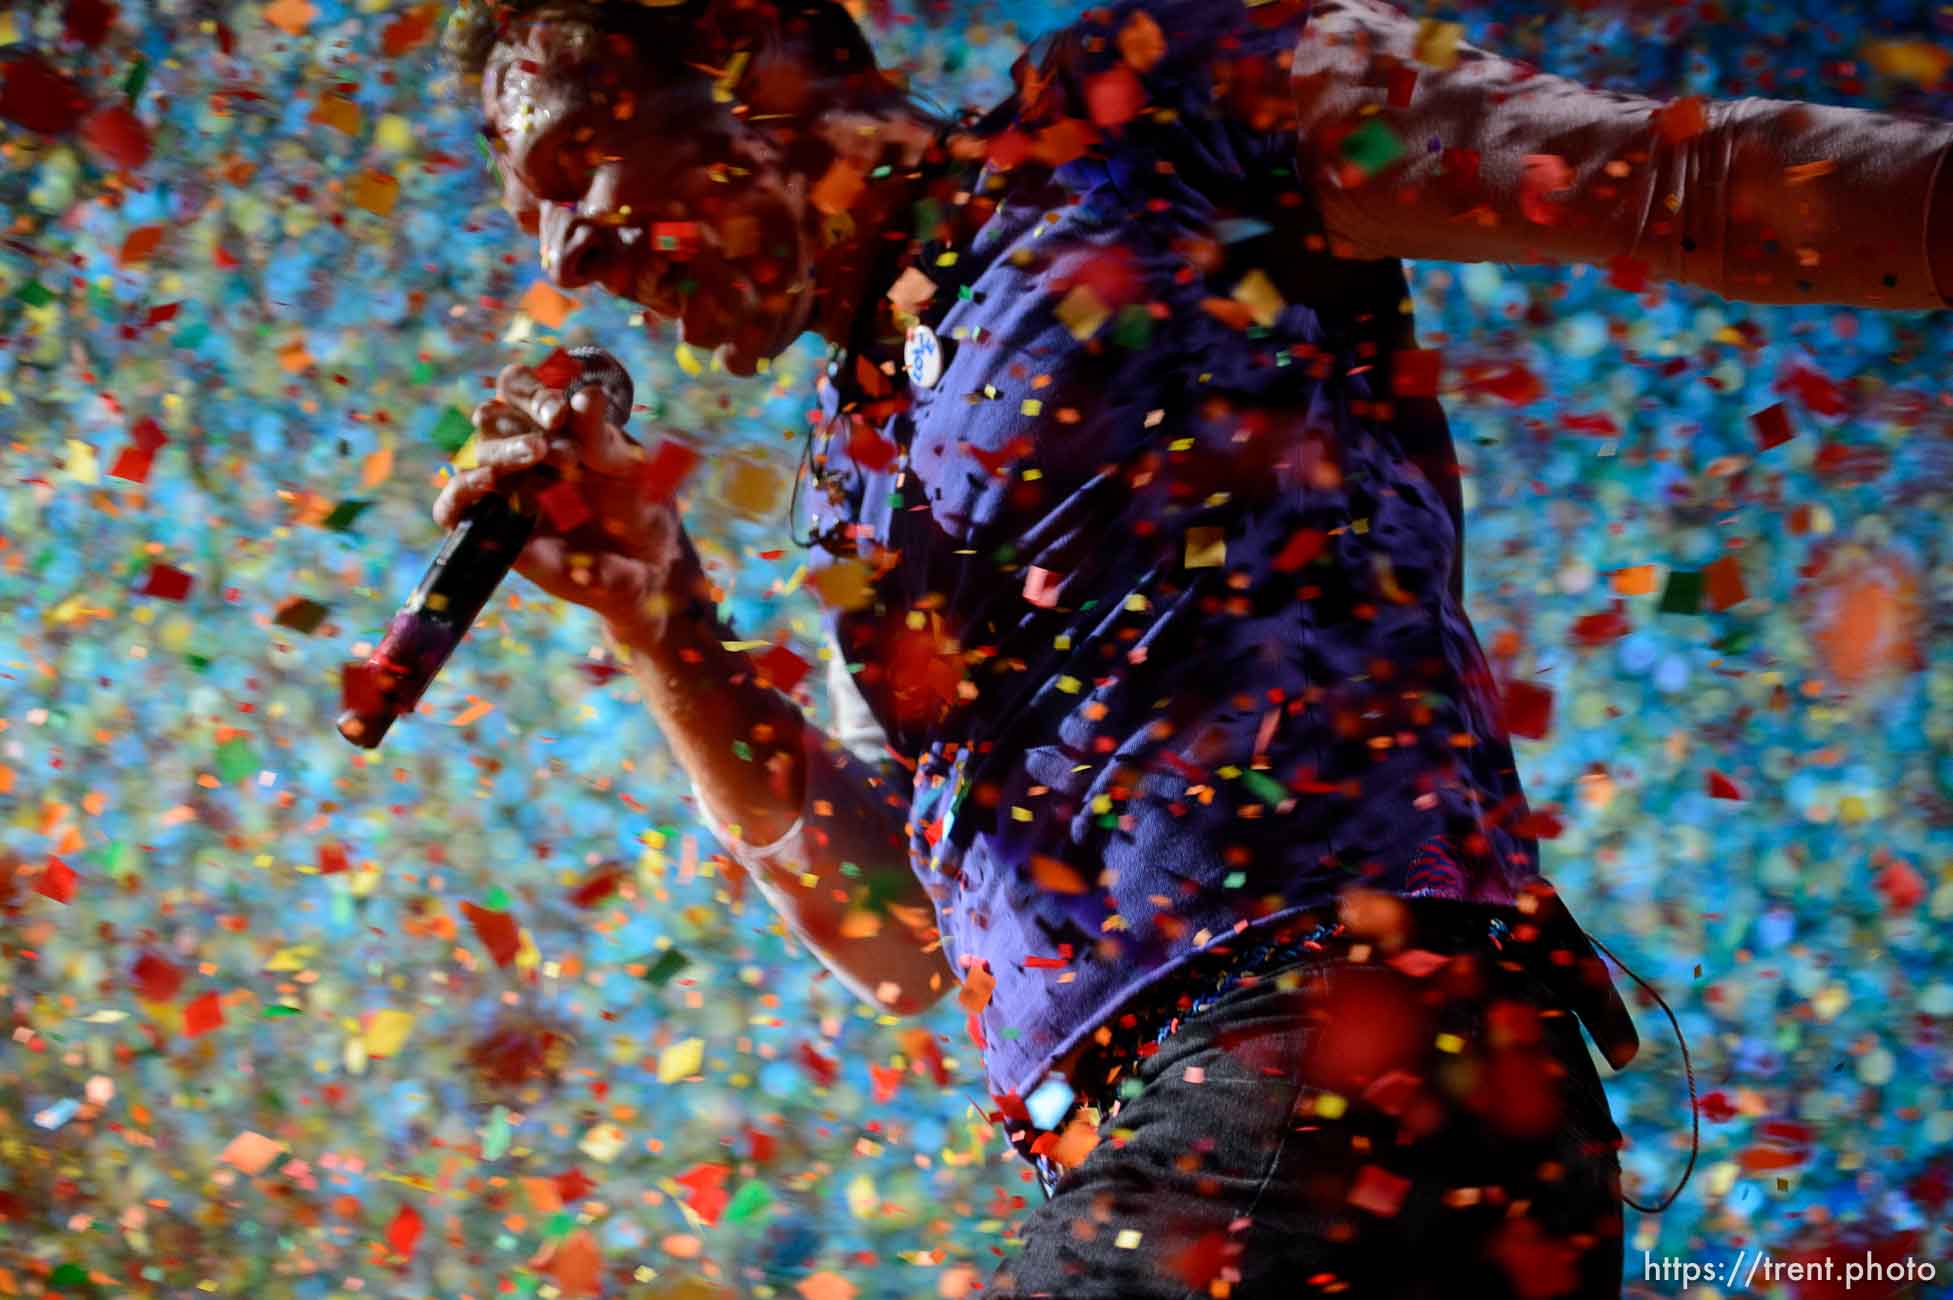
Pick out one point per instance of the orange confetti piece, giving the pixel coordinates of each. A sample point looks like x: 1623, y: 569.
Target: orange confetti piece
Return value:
x: 477, y: 709
x: 578, y: 1265
x: 377, y: 468
x: 376, y: 191
x: 337, y: 112
x: 292, y: 17
x: 826, y: 1285
x: 251, y: 1152
x: 1637, y: 581
x: 546, y: 306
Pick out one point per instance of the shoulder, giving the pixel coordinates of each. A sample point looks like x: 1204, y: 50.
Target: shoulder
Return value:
x: 1172, y: 43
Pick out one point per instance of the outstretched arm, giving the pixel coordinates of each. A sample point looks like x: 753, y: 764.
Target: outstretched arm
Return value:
x: 1416, y: 150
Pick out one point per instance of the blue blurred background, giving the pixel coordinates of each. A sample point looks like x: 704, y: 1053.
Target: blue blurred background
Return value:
x: 259, y: 1041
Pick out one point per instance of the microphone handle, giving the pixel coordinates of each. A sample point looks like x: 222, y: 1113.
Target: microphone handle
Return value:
x: 478, y: 553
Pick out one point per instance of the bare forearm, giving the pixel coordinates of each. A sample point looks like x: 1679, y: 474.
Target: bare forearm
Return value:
x: 840, y: 876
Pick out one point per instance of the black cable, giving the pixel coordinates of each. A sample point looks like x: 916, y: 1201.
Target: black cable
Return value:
x: 1695, y: 1112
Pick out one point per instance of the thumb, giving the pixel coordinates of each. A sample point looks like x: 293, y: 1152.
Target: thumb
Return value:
x: 605, y: 448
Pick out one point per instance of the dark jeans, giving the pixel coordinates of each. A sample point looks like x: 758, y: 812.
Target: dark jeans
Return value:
x: 1349, y: 1129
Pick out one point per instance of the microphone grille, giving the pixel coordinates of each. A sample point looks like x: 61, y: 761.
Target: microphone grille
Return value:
x: 608, y: 373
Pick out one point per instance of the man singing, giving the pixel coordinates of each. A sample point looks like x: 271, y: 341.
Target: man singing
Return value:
x: 1162, y: 735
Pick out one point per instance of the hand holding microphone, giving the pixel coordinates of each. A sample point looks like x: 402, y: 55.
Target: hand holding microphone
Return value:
x: 602, y: 540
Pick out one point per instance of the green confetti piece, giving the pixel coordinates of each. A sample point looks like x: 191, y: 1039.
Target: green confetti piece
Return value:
x: 743, y: 750
x: 495, y: 1136
x: 197, y: 662
x: 423, y: 372
x: 1132, y: 327
x: 235, y: 761
x: 496, y: 899
x: 1683, y: 595
x: 190, y: 335
x: 751, y: 1199
x: 279, y: 1012
x: 1737, y: 642
x: 34, y: 294
x: 343, y: 514
x: 669, y: 963
x: 558, y: 1223
x: 138, y: 77
x: 65, y: 1275
x: 1265, y: 788
x: 453, y: 429
x: 1372, y: 146
x: 1234, y: 879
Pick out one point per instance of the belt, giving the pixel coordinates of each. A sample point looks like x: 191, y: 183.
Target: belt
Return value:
x: 1536, y: 932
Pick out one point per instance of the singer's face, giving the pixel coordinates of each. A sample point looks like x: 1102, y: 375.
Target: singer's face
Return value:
x: 591, y: 163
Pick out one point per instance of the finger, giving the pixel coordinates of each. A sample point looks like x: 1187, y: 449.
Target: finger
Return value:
x: 512, y: 453
x: 606, y: 448
x: 462, y: 491
x: 522, y: 388
x: 497, y: 419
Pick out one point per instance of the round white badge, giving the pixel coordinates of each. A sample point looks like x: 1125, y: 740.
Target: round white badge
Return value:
x: 923, y: 355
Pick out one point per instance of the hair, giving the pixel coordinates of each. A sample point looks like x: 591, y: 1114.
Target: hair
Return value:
x: 816, y: 39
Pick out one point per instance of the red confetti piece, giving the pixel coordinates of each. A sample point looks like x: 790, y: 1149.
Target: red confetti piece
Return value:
x: 167, y: 582
x: 888, y: 1081
x: 1545, y: 174
x: 668, y: 467
x: 565, y: 506
x: 1723, y: 583
x: 205, y: 1013
x: 408, y: 31
x: 156, y: 979
x: 1611, y: 624
x: 558, y: 369
x: 1403, y: 83
x: 868, y: 449
x: 87, y: 22
x: 139, y: 245
x: 1379, y: 1191
x: 823, y: 1071
x: 57, y: 881
x: 404, y: 1231
x: 600, y: 884
x: 118, y: 136
x: 132, y: 464
x: 332, y: 859
x: 1528, y: 709
x: 1415, y: 372
x: 1721, y: 787
x: 1114, y: 97
x: 1629, y: 273
x: 497, y: 932
x: 1304, y: 546
x: 1684, y: 119
x: 781, y: 668
x: 35, y: 95
x: 1902, y: 887
x: 1772, y: 425
x: 705, y: 1185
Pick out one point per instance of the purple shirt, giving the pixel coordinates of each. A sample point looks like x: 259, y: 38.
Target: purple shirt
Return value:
x: 1160, y: 585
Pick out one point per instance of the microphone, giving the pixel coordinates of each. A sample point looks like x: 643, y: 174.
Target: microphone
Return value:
x: 478, y: 553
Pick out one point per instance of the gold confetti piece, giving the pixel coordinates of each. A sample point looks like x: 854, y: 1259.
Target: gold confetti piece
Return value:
x: 1437, y: 43
x: 477, y: 709
x: 1082, y: 312
x: 386, y: 1031
x: 681, y: 1060
x: 1206, y: 548
x: 912, y: 291
x: 1128, y: 1239
x: 1258, y: 294
x: 1917, y: 61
